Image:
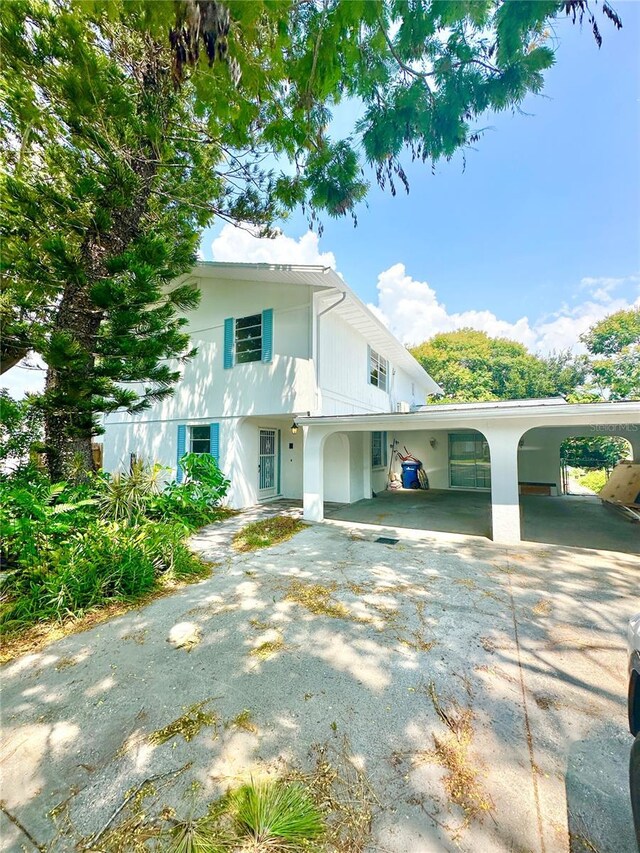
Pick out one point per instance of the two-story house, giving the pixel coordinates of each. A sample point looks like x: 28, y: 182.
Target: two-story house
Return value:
x: 275, y: 343
x: 299, y: 391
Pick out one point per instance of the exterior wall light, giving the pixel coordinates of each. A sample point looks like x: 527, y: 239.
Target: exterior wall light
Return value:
x: 294, y: 428
x: 433, y: 443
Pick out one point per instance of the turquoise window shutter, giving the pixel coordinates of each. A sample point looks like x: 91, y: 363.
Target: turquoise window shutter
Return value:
x: 267, y: 335
x: 229, y: 333
x: 182, y: 447
x: 214, y: 441
x: 368, y: 364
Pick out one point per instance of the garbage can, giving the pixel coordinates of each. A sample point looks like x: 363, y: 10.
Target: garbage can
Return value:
x: 410, y: 478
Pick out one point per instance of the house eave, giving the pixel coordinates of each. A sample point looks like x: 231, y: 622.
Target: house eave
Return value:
x: 547, y: 412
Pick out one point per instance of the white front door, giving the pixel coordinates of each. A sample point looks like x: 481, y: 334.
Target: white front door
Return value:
x: 268, y: 463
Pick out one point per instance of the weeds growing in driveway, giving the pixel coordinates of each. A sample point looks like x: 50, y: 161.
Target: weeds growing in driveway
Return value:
x: 316, y: 598
x: 328, y: 808
x: 451, y: 751
x: 267, y: 532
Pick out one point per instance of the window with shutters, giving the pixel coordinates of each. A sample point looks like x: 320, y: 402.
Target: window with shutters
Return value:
x: 378, y: 370
x: 200, y: 439
x: 248, y: 339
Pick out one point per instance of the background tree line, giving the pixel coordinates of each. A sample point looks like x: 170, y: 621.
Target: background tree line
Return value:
x: 128, y: 126
x: 470, y: 367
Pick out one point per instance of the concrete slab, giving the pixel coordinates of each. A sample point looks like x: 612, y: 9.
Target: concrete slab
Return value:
x: 570, y: 520
x: 529, y: 641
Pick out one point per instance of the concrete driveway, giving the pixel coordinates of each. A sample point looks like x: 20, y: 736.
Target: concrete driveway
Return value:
x: 478, y: 691
x: 579, y: 521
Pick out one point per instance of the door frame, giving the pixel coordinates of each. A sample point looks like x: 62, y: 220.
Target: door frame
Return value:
x: 272, y: 491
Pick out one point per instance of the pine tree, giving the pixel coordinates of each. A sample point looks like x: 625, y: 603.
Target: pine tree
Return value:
x: 127, y: 126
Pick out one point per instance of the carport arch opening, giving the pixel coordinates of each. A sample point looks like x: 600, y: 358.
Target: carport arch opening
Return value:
x: 457, y: 463
x: 540, y: 458
x: 594, y: 456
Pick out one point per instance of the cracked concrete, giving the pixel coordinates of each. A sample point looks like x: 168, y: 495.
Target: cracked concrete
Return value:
x: 531, y: 639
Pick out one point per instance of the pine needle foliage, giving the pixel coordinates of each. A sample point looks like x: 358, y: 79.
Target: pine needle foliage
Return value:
x: 275, y: 816
x: 128, y: 127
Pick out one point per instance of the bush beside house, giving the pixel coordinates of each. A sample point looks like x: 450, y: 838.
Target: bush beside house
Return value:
x: 68, y: 548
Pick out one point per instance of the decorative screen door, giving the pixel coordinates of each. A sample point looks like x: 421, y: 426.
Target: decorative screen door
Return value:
x: 267, y: 467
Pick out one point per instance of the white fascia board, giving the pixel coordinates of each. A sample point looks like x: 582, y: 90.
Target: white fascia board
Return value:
x: 543, y: 412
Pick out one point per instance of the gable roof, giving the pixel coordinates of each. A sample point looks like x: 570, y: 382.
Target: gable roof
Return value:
x: 352, y: 309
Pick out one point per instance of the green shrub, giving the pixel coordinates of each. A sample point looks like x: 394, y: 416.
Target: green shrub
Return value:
x: 109, y: 561
x: 71, y: 548
x: 36, y: 516
x: 593, y: 480
x: 194, y: 501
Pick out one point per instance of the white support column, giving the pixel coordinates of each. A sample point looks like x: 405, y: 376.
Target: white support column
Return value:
x: 313, y: 474
x: 634, y: 440
x: 366, y: 464
x: 505, y: 499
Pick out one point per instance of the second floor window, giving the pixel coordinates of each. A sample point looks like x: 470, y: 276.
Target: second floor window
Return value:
x: 378, y: 370
x: 248, y: 342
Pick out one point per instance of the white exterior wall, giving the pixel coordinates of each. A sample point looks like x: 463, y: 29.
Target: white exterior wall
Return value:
x: 344, y: 373
x: 246, y: 397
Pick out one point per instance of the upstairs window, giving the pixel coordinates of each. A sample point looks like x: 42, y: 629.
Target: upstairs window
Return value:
x: 200, y: 439
x: 248, y: 339
x: 248, y: 342
x: 378, y: 450
x: 378, y: 370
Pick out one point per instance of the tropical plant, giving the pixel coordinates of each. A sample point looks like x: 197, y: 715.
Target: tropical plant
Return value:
x: 276, y: 815
x: 105, y: 562
x: 127, y: 127
x: 128, y: 496
x: 194, y: 500
x: 37, y: 516
x: 69, y: 548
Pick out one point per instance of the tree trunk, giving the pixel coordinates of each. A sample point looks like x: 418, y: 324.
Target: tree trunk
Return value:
x: 68, y: 418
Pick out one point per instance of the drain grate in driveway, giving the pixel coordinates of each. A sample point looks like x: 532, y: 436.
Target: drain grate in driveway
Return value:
x: 387, y: 541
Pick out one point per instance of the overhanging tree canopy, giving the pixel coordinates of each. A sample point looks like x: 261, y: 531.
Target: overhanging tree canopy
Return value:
x: 128, y: 125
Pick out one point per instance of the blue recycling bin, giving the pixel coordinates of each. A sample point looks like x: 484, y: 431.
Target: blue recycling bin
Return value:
x: 410, y: 475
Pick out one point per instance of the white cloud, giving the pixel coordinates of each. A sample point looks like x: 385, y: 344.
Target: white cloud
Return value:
x: 602, y: 288
x: 240, y: 245
x: 413, y: 312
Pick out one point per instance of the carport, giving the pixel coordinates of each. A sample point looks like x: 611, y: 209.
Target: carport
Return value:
x: 514, y: 466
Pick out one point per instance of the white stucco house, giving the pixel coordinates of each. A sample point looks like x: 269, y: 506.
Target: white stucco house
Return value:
x: 299, y: 391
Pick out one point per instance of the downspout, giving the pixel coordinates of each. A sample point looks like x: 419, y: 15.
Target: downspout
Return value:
x: 320, y: 314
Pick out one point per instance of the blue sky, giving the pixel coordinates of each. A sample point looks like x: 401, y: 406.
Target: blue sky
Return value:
x: 548, y: 200
x: 537, y: 239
